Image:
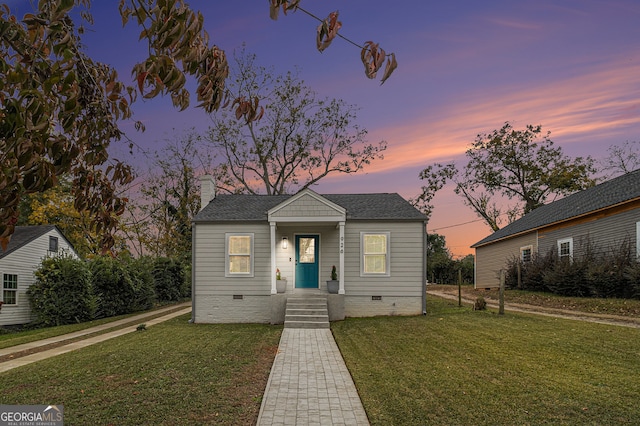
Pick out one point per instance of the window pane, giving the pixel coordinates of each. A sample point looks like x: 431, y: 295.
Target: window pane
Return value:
x: 375, y: 244
x: 53, y: 243
x: 526, y: 255
x: 10, y: 281
x: 9, y: 297
x: 240, y: 245
x: 564, y: 249
x: 239, y: 264
x: 375, y: 264
x: 307, y: 250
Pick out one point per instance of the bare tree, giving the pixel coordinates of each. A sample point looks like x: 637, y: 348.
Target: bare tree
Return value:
x: 292, y: 142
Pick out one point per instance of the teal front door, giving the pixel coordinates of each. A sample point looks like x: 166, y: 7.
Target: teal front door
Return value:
x: 306, y: 261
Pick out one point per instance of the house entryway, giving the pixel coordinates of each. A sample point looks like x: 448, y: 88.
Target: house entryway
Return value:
x: 307, y: 261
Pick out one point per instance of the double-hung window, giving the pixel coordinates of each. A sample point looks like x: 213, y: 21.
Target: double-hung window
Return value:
x: 239, y: 255
x: 565, y: 248
x: 526, y: 253
x: 10, y: 289
x: 374, y: 247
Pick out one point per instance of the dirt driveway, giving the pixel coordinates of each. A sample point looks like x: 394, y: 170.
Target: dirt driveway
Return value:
x: 451, y: 293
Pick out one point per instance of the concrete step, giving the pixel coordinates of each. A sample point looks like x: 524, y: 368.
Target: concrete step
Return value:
x: 309, y: 311
x: 312, y: 318
x: 306, y: 324
x: 295, y: 311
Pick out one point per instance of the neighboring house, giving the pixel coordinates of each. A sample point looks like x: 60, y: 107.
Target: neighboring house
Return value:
x: 29, y: 245
x: 377, y: 243
x: 604, y: 216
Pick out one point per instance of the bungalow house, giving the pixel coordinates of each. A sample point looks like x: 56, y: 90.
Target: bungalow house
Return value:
x: 242, y: 244
x: 603, y: 216
x: 23, y: 256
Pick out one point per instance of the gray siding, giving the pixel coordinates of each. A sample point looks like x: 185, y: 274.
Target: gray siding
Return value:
x: 490, y: 259
x: 406, y: 260
x: 306, y: 206
x: 604, y: 232
x: 23, y: 262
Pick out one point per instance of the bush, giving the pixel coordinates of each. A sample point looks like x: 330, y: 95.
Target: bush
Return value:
x: 121, y: 285
x: 598, y: 273
x: 531, y: 273
x: 142, y: 277
x: 567, y: 278
x: 62, y: 293
x: 170, y: 280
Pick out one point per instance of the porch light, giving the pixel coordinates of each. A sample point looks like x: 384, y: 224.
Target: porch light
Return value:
x: 285, y: 242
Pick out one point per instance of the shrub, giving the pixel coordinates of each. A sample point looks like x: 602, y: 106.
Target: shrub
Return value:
x: 567, y: 278
x: 606, y: 272
x: 140, y: 271
x: 532, y: 273
x: 169, y: 279
x: 122, y: 285
x: 112, y: 285
x: 62, y: 292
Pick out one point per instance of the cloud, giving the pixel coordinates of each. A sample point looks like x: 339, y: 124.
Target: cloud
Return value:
x: 600, y: 102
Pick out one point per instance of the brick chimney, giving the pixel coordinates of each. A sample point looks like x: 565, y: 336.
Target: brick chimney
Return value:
x: 207, y: 190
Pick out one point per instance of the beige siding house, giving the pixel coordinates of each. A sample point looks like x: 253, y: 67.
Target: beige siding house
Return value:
x: 602, y: 216
x: 29, y: 245
x: 243, y: 243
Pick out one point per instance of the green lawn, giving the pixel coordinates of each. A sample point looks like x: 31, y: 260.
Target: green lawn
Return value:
x: 452, y: 367
x: 14, y: 338
x: 460, y: 367
x: 174, y: 373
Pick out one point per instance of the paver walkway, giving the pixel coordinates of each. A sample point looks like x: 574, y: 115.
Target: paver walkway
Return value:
x: 37, y: 356
x: 309, y: 383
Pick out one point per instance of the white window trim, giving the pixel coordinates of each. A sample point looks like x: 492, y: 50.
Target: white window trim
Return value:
x: 387, y: 272
x: 10, y: 289
x: 227, y: 272
x: 566, y: 240
x: 522, y: 249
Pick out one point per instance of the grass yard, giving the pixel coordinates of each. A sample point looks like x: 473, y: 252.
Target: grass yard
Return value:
x: 174, y: 373
x: 456, y: 366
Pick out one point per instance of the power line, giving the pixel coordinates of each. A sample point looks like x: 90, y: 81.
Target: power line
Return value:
x: 458, y: 224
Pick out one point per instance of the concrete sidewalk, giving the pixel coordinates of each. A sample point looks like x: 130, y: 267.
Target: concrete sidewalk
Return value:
x: 28, y: 359
x: 309, y: 383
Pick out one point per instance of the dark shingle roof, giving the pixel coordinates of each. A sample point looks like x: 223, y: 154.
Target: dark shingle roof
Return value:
x: 24, y: 235
x: 607, y: 194
x: 358, y: 207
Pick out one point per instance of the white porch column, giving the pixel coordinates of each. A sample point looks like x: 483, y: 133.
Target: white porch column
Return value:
x: 272, y: 225
x: 341, y: 277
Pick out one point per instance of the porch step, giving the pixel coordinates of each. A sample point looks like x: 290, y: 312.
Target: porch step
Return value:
x: 307, y: 312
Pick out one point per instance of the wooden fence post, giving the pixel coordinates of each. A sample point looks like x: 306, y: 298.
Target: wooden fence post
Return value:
x: 459, y: 288
x: 502, y: 280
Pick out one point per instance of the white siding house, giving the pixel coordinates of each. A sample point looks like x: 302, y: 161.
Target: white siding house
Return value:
x: 603, y: 216
x: 240, y: 242
x: 23, y: 256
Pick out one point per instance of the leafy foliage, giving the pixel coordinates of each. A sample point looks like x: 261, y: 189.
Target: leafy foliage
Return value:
x: 170, y: 278
x: 521, y: 165
x: 59, y: 109
x: 612, y: 273
x: 299, y: 140
x: 62, y: 293
x: 121, y: 286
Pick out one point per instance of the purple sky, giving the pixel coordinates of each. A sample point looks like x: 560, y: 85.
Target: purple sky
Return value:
x: 465, y: 67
